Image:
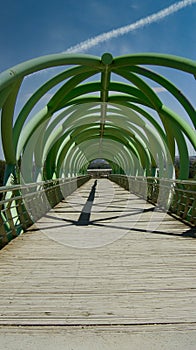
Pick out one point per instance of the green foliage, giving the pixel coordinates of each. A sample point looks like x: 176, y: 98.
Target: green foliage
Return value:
x: 99, y: 164
x: 2, y: 170
x: 192, y: 169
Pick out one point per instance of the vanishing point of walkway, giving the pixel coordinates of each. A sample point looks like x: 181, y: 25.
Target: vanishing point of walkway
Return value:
x: 102, y: 270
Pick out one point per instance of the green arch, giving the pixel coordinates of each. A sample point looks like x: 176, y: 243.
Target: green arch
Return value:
x: 90, y: 107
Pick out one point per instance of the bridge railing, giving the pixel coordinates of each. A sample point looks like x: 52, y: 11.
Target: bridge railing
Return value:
x: 177, y: 197
x: 23, y: 205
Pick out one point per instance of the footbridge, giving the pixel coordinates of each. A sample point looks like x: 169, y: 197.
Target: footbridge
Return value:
x: 104, y: 260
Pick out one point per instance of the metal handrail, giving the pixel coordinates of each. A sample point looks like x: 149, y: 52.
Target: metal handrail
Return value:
x: 24, y: 204
x: 175, y: 196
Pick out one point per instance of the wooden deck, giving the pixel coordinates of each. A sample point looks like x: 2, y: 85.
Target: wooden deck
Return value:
x: 125, y: 272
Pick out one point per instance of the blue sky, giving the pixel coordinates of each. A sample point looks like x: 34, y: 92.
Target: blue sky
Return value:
x: 32, y: 28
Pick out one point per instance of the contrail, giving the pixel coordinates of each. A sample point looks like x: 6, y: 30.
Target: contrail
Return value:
x: 87, y: 44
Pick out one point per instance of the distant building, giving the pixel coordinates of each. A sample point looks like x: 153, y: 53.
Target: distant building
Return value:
x: 98, y: 173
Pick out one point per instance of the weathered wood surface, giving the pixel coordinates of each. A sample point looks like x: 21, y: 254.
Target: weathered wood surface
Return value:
x: 111, y: 272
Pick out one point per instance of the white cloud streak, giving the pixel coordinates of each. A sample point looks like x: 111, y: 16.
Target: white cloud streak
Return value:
x: 87, y: 44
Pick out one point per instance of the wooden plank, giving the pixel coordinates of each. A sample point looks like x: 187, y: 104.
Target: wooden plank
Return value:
x: 110, y: 272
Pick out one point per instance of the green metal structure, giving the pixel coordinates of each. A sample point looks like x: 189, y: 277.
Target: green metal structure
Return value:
x: 96, y: 108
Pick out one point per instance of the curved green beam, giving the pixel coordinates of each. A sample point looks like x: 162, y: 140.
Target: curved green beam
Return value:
x: 92, y: 151
x: 182, y: 146
x: 77, y: 161
x: 94, y: 140
x: 151, y: 119
x: 75, y: 91
x: 75, y: 118
x: 35, y: 98
x: 55, y: 102
x: 170, y: 87
x: 5, y: 93
x: 71, y: 157
x: 156, y: 59
x: 111, y: 132
x: 114, y: 101
x: 114, y: 153
x: 111, y: 137
x: 66, y: 147
x: 137, y: 140
x: 17, y: 73
x: 86, y: 134
x: 27, y: 132
x: 155, y: 101
x: 122, y: 100
x: 21, y: 70
x: 44, y: 116
x: 59, y: 125
x: 96, y: 87
x: 65, y: 171
x: 80, y: 131
x: 47, y: 112
x: 7, y: 122
x: 183, y: 151
x: 189, y: 132
x: 185, y: 127
x: 163, y: 111
x: 108, y: 119
x: 143, y: 113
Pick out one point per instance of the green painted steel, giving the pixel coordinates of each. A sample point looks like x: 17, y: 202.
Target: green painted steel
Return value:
x: 98, y: 108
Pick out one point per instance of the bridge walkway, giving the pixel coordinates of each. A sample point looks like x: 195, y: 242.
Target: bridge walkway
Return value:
x: 102, y: 270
